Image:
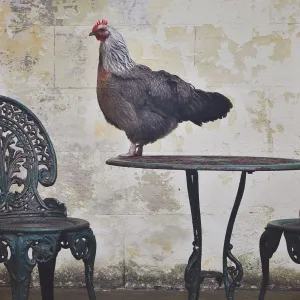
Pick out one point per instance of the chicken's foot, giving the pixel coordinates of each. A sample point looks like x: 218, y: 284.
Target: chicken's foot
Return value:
x: 139, y: 151
x: 134, y: 150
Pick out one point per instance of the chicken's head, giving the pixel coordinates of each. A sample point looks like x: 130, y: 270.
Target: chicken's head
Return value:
x: 100, y: 30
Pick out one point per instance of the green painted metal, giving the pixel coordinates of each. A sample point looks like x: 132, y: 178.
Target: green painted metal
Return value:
x: 233, y: 273
x: 25, y: 148
x: 28, y: 222
x: 207, y: 163
x: 270, y: 241
x: 286, y: 224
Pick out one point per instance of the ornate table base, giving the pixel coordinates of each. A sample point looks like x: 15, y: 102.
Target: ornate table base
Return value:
x: 232, y: 275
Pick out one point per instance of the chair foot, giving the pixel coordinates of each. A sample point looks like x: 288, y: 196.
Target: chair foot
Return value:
x: 83, y: 246
x: 269, y: 242
x: 192, y: 275
x: 46, y: 274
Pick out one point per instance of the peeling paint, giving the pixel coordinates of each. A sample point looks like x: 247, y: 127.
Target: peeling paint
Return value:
x: 212, y: 41
x: 285, y: 11
x: 225, y: 179
x: 172, y: 60
x: 232, y: 117
x: 133, y: 250
x: 178, y: 142
x: 188, y: 128
x: 260, y: 117
x: 27, y: 54
x: 291, y: 98
x: 154, y: 7
x: 156, y: 190
x: 173, y: 33
x: 49, y: 63
x: 279, y: 128
x: 213, y: 125
x: 136, y: 278
x: 101, y: 129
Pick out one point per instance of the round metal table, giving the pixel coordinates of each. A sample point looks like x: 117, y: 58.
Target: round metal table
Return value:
x: 233, y: 274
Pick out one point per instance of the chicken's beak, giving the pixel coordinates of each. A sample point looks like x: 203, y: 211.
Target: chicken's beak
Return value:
x: 92, y: 33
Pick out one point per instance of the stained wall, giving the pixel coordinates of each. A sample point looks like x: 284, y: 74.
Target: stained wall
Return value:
x: 248, y: 50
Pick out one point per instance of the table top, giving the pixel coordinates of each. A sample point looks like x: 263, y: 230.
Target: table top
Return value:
x: 209, y: 163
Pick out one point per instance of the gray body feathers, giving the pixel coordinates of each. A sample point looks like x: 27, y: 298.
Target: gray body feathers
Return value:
x: 148, y: 104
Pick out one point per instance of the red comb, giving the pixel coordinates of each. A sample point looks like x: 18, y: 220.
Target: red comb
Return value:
x: 102, y: 22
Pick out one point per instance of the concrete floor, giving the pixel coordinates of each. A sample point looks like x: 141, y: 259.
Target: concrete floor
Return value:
x: 80, y: 294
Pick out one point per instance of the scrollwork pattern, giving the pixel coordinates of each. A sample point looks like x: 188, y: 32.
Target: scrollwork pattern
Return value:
x: 192, y: 274
x: 45, y: 249
x: 293, y: 246
x: 235, y: 272
x: 81, y: 244
x: 3, y: 251
x: 26, y: 158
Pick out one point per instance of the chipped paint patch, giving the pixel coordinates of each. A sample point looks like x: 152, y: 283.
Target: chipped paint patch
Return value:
x: 213, y: 125
x: 221, y: 59
x: 285, y: 11
x: 225, y: 179
x: 154, y: 7
x: 188, y: 128
x: 26, y: 55
x: 156, y: 190
x: 279, y: 128
x: 102, y: 128
x: 232, y: 117
x: 260, y: 117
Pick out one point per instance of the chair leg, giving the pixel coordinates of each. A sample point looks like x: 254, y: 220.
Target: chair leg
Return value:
x: 20, y: 265
x: 89, y: 273
x: 83, y: 246
x: 268, y: 245
x: 46, y: 273
x: 293, y: 245
x: 192, y: 274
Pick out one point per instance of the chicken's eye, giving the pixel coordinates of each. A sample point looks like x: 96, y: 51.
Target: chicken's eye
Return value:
x: 101, y: 29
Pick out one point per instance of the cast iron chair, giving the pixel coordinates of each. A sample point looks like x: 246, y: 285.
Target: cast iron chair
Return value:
x: 28, y: 222
x: 269, y: 243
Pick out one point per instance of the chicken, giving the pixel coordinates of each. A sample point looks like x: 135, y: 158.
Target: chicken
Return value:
x: 147, y: 104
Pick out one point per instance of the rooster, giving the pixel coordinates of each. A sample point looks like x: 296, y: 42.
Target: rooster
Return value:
x: 147, y: 104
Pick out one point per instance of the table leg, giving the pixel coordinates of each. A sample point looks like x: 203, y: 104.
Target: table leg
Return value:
x: 192, y: 274
x: 234, y: 272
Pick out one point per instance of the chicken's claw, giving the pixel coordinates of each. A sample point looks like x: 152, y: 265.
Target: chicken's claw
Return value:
x: 139, y: 151
x: 127, y: 155
x: 134, y: 150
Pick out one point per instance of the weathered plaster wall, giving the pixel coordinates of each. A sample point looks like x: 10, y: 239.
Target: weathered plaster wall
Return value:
x: 248, y: 50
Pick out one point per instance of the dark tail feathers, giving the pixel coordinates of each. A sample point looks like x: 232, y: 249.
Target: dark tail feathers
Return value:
x: 214, y: 106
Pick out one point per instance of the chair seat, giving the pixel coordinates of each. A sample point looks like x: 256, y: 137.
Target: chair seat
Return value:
x: 269, y: 242
x: 34, y: 229
x: 289, y: 225
x: 38, y: 225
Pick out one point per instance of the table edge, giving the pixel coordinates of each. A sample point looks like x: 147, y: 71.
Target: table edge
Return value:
x: 161, y: 166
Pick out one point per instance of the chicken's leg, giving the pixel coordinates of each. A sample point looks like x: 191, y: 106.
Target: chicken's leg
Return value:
x: 134, y: 150
x: 139, y: 151
x: 131, y: 151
